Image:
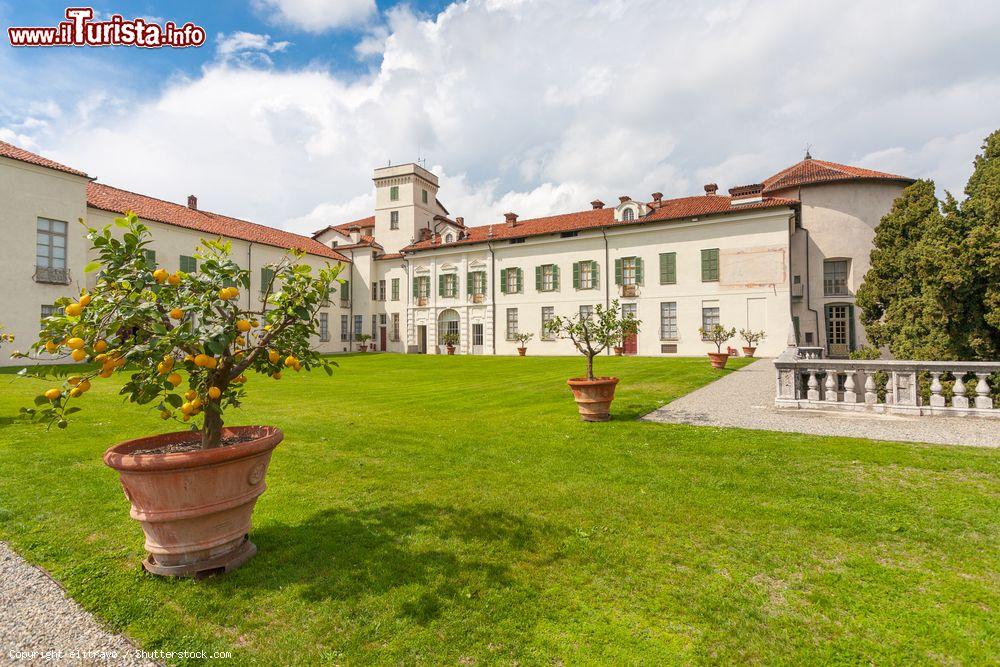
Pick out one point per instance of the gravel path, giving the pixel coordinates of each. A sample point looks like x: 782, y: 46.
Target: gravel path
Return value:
x: 40, y: 625
x: 745, y: 399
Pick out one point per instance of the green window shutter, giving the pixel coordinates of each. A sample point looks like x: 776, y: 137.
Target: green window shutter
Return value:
x: 538, y: 278
x: 555, y: 277
x: 668, y: 268
x: 710, y: 265
x: 618, y: 271
x: 416, y: 287
x: 576, y: 275
x: 189, y: 264
x: 266, y: 276
x: 850, y: 321
x: 468, y: 283
x: 595, y: 272
x: 520, y: 280
x: 638, y: 270
x: 503, y: 281
x: 441, y: 285
x: 149, y: 256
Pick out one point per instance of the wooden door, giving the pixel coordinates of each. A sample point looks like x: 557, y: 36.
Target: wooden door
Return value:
x: 382, y: 336
x: 630, y: 343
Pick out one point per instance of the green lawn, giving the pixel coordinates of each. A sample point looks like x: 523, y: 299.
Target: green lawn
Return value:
x: 454, y: 510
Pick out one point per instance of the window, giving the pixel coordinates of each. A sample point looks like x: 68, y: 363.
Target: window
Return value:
x: 476, y: 283
x: 547, y: 278
x: 628, y: 271
x: 448, y: 326
x: 477, y: 334
x: 374, y: 327
x: 628, y: 215
x: 668, y: 320
x: 423, y: 196
x: 668, y: 268
x: 422, y: 287
x: 511, y: 323
x: 585, y: 275
x: 513, y: 241
x: 568, y: 235
x: 381, y: 290
x: 709, y: 318
x: 189, y: 264
x: 266, y: 278
x: 709, y: 265
x: 49, y: 311
x: 324, y: 327
x: 394, y: 193
x: 50, y: 252
x: 586, y: 312
x: 511, y: 281
x: 358, y: 323
x: 394, y: 220
x: 345, y: 292
x: 448, y: 285
x: 344, y: 327
x: 448, y: 238
x: 835, y: 277
x: 548, y: 312
x: 395, y: 289
x: 375, y: 291
x: 395, y: 326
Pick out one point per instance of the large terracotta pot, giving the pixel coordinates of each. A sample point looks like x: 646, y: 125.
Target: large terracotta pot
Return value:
x: 195, y: 507
x: 719, y: 359
x: 522, y: 351
x: 619, y: 351
x: 748, y: 351
x: 451, y: 349
x: 593, y: 397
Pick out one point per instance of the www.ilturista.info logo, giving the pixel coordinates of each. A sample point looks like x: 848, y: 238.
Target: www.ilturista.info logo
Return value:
x: 81, y: 30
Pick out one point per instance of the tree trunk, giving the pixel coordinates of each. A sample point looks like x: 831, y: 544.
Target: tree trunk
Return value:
x: 590, y: 366
x: 211, y: 431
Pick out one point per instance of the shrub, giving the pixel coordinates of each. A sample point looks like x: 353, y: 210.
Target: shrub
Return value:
x: 523, y: 338
x: 450, y: 339
x: 717, y: 334
x: 752, y: 337
x: 594, y: 333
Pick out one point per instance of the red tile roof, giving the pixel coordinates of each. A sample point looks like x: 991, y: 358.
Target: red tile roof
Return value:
x: 107, y: 198
x: 811, y: 171
x: 15, y: 153
x: 668, y: 209
x: 345, y: 228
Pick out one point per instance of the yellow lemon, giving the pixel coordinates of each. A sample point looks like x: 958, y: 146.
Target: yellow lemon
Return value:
x: 201, y: 360
x: 290, y: 361
x: 174, y: 279
x: 187, y: 409
x: 160, y: 275
x: 243, y: 325
x: 212, y: 362
x: 75, y: 343
x: 53, y: 394
x: 52, y: 347
x: 85, y: 300
x: 78, y: 355
x: 273, y: 356
x: 100, y: 346
x: 75, y: 392
x: 74, y: 309
x: 84, y: 386
x: 73, y: 381
x: 107, y: 372
x: 276, y: 375
x: 174, y: 379
x: 196, y: 403
x: 214, y: 393
x: 190, y: 394
x: 177, y: 314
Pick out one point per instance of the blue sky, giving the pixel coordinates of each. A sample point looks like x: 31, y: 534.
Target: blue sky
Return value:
x: 535, y: 107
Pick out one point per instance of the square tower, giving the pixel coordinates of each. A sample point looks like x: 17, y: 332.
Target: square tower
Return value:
x: 405, y: 203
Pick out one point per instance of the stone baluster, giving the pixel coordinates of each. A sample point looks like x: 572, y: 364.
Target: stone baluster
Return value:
x: 850, y: 395
x: 937, y: 400
x: 871, y: 391
x: 983, y: 400
x: 959, y: 400
x: 890, y: 389
x: 831, y: 386
x: 813, y: 392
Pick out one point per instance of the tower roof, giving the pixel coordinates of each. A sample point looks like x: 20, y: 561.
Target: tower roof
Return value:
x: 811, y: 171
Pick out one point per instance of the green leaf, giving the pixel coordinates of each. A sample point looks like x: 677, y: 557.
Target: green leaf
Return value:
x: 175, y: 400
x: 93, y: 266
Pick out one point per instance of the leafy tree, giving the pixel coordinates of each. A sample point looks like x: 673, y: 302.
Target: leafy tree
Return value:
x: 523, y: 338
x: 717, y: 334
x: 147, y: 324
x: 933, y: 289
x: 594, y: 332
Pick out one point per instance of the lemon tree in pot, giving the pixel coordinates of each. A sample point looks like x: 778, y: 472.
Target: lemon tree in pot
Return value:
x: 752, y: 338
x: 591, y: 334
x: 522, y: 339
x: 363, y: 340
x: 182, y: 344
x: 719, y: 335
x: 450, y: 340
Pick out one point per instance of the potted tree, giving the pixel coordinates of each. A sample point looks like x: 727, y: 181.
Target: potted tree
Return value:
x: 183, y: 344
x: 592, y: 334
x: 752, y: 338
x: 450, y: 340
x: 629, y: 328
x: 523, y: 339
x: 719, y: 335
x: 363, y: 340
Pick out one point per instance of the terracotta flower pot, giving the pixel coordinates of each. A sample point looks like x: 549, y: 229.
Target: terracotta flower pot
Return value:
x: 522, y: 351
x: 619, y: 351
x: 719, y: 359
x: 593, y: 397
x: 195, y: 507
x: 748, y: 351
x: 451, y: 349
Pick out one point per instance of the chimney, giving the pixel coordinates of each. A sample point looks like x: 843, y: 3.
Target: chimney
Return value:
x: 596, y: 204
x: 711, y: 188
x: 657, y: 197
x: 192, y: 202
x: 460, y: 220
x: 746, y: 194
x: 511, y: 219
x: 424, y: 234
x: 355, y: 234
x: 624, y: 198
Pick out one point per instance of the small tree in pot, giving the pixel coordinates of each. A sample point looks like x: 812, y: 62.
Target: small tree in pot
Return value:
x: 450, y: 340
x: 752, y: 338
x: 592, y: 334
x: 363, y: 340
x: 161, y: 332
x: 719, y: 335
x: 523, y: 339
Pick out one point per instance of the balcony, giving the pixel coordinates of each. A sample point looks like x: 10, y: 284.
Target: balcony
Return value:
x: 51, y: 275
x: 478, y: 298
x: 421, y: 300
x: 797, y: 291
x: 629, y: 291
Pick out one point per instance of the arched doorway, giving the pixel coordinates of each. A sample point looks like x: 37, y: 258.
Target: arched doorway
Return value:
x: 447, y: 323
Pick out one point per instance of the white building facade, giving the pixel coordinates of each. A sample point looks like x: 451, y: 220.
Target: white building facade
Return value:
x: 787, y: 253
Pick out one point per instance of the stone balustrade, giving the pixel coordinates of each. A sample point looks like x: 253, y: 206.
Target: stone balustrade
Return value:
x: 957, y: 388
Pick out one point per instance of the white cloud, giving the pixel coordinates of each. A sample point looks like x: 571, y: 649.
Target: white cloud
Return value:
x: 623, y: 98
x: 316, y: 16
x: 247, y: 48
